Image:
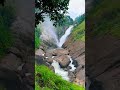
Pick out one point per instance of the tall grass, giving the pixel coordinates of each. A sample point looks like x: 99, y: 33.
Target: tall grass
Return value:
x: 45, y: 79
x: 37, y: 37
x: 78, y: 32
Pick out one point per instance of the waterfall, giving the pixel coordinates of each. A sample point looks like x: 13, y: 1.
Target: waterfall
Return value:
x: 48, y: 34
x: 64, y: 37
x: 48, y: 31
x: 55, y: 64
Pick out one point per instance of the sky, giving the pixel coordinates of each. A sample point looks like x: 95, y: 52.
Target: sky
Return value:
x: 76, y: 8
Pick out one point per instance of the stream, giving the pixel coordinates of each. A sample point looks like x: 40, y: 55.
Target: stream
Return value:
x: 58, y: 70
x: 48, y: 34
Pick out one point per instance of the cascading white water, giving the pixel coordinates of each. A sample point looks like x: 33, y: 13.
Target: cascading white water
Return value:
x: 64, y: 37
x: 48, y: 34
x: 56, y: 65
x: 60, y: 71
x: 71, y: 64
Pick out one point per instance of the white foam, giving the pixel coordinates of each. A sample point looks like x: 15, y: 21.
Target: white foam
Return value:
x: 60, y: 71
x: 71, y: 65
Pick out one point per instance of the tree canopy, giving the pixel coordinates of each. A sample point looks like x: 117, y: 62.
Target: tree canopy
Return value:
x: 55, y: 9
x: 79, y: 19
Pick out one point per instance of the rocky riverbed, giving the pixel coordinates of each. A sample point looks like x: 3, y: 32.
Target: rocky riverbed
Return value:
x: 62, y: 57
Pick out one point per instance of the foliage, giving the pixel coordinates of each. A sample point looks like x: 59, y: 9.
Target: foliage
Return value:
x: 104, y: 19
x: 45, y: 79
x: 6, y: 18
x: 66, y: 21
x: 78, y: 32
x: 63, y: 24
x: 79, y: 19
x: 55, y: 9
x: 37, y: 38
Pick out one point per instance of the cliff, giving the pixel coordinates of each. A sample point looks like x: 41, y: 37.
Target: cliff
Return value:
x: 76, y: 46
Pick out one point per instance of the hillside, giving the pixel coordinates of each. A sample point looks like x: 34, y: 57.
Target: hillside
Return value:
x: 76, y: 46
x: 103, y: 45
x: 103, y: 19
x: 78, y: 32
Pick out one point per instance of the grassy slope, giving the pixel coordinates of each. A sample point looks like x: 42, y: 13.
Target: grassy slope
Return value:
x: 78, y: 32
x: 48, y: 80
x: 104, y: 18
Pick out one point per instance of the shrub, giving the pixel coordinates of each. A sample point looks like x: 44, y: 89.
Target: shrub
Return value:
x: 78, y: 32
x: 6, y: 18
x: 37, y: 38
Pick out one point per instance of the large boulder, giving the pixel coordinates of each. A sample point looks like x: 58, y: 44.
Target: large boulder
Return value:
x: 56, y: 52
x: 11, y: 62
x: 63, y: 60
x: 39, y: 52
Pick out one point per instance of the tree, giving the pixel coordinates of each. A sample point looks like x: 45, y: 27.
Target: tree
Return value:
x: 65, y: 21
x: 79, y: 19
x: 55, y: 9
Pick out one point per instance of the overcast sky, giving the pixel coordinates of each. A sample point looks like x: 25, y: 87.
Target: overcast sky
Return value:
x: 76, y: 8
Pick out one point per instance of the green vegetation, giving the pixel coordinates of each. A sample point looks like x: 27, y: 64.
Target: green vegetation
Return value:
x: 79, y: 19
x: 6, y: 18
x: 104, y: 19
x: 37, y: 37
x: 78, y: 32
x: 63, y: 24
x: 45, y: 79
x: 2, y: 87
x: 54, y: 8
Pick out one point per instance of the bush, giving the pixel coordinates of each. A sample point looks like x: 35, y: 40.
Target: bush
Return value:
x: 78, y: 32
x: 6, y: 18
x: 37, y: 38
x: 45, y: 79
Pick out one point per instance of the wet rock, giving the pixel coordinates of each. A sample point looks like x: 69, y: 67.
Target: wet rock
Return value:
x: 61, y: 51
x: 71, y: 76
x: 49, y: 60
x: 56, y: 52
x: 11, y: 62
x: 81, y: 59
x: 39, y: 52
x: 28, y: 68
x: 77, y: 52
x: 68, y: 68
x: 20, y: 67
x: 40, y: 60
x: 80, y: 77
x: 63, y: 60
x: 15, y: 51
x: 10, y: 79
x: 75, y: 63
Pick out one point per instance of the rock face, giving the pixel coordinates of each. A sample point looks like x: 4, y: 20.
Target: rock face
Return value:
x: 60, y: 55
x: 103, y: 65
x: 103, y: 49
x: 77, y: 52
x: 20, y: 57
x: 10, y: 80
x: 63, y: 60
x: 11, y: 62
